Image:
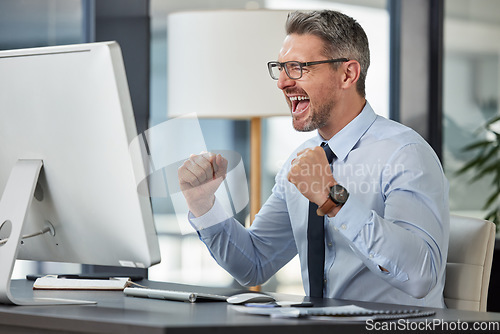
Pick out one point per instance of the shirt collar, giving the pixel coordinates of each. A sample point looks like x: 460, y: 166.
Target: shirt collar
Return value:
x: 343, y: 142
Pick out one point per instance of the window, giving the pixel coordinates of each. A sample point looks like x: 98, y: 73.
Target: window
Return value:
x: 471, y: 89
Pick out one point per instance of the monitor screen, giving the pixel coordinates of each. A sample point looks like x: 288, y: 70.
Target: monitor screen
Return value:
x: 69, y: 108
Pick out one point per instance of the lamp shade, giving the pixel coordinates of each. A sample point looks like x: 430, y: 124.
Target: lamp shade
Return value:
x: 217, y: 63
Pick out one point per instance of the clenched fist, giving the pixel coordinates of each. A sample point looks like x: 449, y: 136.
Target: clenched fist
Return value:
x: 199, y: 177
x: 312, y: 175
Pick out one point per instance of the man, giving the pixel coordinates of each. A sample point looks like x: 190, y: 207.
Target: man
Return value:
x: 382, y: 203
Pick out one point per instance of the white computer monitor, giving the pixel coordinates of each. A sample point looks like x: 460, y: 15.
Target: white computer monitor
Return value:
x: 66, y: 122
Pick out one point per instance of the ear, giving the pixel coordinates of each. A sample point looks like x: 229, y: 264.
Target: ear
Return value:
x: 352, y: 70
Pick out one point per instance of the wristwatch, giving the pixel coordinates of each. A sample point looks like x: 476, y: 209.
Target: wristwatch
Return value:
x: 338, y: 195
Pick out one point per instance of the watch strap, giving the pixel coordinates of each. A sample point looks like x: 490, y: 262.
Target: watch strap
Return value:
x: 326, y: 207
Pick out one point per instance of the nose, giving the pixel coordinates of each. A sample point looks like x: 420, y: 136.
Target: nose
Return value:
x: 284, y: 81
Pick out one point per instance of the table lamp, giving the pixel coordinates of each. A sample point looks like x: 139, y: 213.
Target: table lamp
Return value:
x: 217, y: 68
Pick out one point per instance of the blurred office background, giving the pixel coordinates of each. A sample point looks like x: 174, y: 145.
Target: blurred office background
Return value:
x: 435, y: 67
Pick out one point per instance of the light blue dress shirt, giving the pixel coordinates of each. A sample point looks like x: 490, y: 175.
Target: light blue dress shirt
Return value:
x: 396, y: 217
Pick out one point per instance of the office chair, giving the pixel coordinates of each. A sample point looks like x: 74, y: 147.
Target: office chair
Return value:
x: 468, y: 268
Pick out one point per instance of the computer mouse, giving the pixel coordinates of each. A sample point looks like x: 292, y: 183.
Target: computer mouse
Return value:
x: 250, y: 297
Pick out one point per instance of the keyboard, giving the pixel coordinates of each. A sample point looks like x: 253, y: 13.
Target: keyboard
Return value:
x: 185, y: 296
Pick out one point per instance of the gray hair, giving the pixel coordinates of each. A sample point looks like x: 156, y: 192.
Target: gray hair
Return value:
x: 342, y: 35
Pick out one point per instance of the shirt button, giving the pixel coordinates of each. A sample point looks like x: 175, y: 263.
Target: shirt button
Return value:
x: 324, y: 281
x: 335, y: 228
x: 371, y: 255
x: 329, y: 244
x: 343, y: 226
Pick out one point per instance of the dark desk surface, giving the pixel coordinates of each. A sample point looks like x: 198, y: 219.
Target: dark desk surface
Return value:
x: 116, y: 313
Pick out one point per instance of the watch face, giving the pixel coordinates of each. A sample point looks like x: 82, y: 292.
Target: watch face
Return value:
x: 338, y: 194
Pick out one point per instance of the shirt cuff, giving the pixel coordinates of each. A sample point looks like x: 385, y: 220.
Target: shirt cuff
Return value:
x: 214, y: 216
x: 351, y: 218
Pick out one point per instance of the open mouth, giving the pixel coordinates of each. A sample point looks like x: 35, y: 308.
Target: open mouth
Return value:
x: 299, y: 104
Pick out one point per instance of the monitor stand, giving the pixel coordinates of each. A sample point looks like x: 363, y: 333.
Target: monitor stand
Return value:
x: 14, y: 205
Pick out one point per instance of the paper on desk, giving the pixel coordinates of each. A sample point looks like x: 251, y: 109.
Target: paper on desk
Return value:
x: 55, y: 283
x: 346, y: 312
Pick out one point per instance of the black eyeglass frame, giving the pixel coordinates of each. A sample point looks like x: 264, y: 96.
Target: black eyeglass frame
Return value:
x: 272, y: 64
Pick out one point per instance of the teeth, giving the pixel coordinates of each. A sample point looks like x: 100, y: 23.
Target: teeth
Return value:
x: 298, y: 98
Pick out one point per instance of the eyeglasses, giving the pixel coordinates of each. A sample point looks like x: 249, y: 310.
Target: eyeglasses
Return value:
x: 294, y: 68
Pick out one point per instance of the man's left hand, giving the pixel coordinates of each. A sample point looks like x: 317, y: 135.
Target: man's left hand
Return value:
x: 312, y: 175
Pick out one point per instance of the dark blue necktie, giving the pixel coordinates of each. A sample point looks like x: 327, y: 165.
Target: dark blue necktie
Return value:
x: 316, y: 242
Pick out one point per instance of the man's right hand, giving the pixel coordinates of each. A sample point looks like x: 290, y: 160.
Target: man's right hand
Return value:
x: 199, y: 177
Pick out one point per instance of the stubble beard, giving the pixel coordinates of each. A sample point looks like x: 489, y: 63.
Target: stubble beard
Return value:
x: 316, y: 120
